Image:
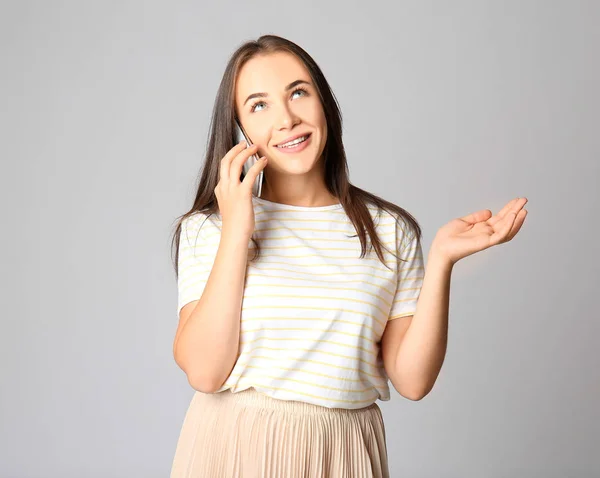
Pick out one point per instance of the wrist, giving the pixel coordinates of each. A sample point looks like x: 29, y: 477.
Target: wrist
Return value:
x: 438, y: 258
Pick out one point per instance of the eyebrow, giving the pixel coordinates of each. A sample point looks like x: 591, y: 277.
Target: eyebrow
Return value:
x: 288, y: 87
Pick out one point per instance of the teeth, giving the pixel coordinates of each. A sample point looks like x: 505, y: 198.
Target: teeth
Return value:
x: 293, y: 143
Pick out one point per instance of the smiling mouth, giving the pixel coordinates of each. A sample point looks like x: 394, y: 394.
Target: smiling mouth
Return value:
x: 295, y: 142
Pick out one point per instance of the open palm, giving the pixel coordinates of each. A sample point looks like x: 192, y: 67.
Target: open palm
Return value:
x: 480, y: 230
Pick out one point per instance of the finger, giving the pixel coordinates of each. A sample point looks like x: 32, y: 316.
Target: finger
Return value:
x: 511, y: 205
x: 235, y: 169
x: 254, y: 171
x: 226, y: 161
x: 516, y: 227
x: 505, y: 226
x: 477, y: 216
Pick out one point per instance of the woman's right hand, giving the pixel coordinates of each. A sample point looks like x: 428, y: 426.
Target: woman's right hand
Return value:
x: 234, y: 196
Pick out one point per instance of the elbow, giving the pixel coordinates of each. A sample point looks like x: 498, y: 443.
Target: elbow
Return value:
x: 415, y: 397
x: 203, y: 381
x: 419, y: 393
x: 414, y: 394
x: 198, y: 381
x: 203, y: 384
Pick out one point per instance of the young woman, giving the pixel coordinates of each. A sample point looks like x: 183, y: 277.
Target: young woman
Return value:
x: 297, y: 307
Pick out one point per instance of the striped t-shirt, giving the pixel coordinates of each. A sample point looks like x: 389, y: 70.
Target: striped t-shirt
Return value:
x: 313, y: 311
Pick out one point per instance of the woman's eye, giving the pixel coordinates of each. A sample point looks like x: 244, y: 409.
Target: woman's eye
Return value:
x: 297, y: 90
x: 253, y: 109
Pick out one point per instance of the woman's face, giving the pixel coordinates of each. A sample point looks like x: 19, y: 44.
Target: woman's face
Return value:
x: 280, y: 113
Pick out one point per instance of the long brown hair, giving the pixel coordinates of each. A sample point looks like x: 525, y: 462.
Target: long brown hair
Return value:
x: 221, y: 139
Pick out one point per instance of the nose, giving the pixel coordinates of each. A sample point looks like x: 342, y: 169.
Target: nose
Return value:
x: 287, y: 118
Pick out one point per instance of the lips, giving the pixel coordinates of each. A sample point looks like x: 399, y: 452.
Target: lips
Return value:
x: 292, y: 138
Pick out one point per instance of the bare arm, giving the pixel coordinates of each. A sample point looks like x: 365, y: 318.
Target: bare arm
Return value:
x: 207, y: 340
x: 414, y: 348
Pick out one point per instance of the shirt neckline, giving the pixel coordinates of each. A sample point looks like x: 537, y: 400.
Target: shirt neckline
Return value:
x: 288, y: 207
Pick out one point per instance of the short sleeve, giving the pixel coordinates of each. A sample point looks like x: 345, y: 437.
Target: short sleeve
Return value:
x: 410, y: 275
x: 198, y: 244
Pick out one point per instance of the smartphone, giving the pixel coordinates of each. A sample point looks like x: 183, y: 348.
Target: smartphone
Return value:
x: 241, y: 135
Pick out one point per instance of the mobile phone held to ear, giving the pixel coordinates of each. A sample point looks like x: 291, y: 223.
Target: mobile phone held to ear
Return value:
x: 241, y: 135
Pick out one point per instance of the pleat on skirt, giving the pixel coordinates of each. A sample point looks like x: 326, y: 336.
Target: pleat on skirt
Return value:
x: 252, y: 435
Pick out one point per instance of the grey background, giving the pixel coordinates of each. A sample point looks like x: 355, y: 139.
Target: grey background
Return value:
x: 449, y: 107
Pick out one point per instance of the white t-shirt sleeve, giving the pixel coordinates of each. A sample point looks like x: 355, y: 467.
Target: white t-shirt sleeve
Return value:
x: 198, y: 244
x: 410, y: 275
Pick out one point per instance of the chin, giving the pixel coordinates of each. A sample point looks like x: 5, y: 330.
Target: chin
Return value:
x: 292, y: 166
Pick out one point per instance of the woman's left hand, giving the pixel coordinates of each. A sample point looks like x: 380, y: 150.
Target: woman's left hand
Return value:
x: 475, y: 232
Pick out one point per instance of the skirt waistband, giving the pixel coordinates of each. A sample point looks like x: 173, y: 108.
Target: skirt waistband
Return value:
x: 251, y: 397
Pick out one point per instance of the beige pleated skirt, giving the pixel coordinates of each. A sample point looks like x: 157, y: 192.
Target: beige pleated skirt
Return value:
x: 252, y: 435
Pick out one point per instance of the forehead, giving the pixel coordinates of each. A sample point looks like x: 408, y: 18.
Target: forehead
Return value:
x: 269, y: 74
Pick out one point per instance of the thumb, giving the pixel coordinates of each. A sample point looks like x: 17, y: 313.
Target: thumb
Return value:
x: 482, y: 215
